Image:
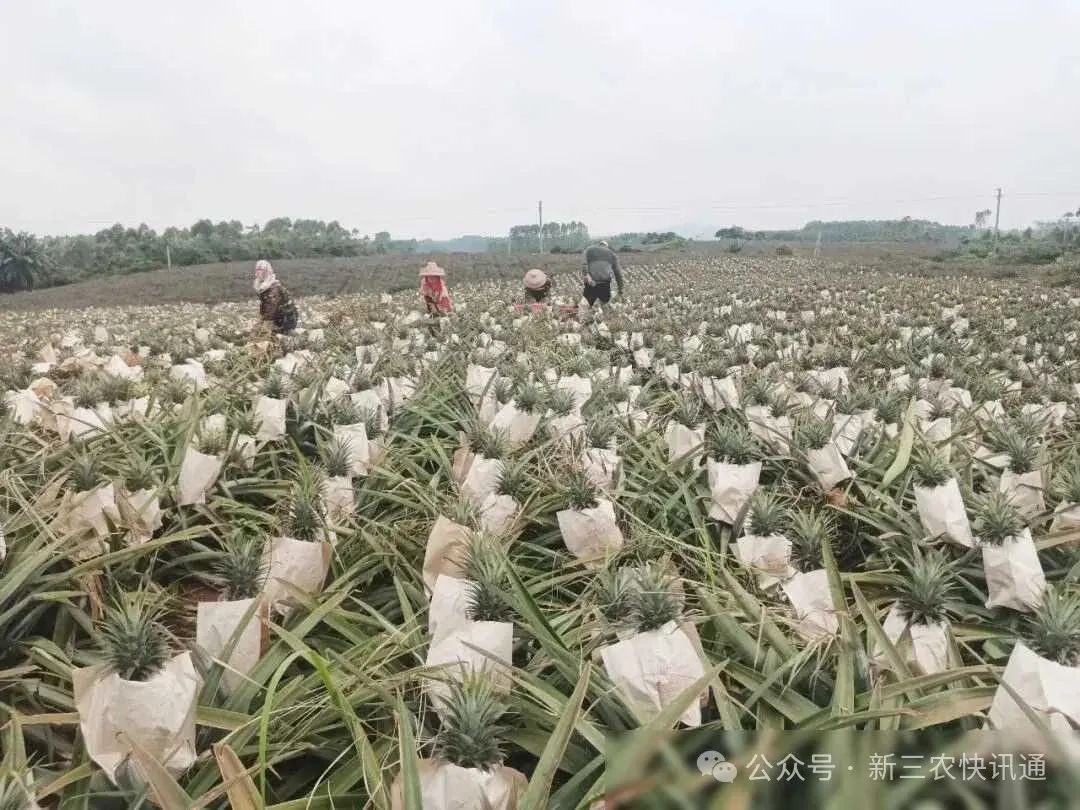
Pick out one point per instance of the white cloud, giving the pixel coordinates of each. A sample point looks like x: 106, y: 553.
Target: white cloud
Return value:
x: 439, y: 118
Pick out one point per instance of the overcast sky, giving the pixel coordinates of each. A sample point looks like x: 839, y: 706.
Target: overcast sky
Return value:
x: 451, y: 117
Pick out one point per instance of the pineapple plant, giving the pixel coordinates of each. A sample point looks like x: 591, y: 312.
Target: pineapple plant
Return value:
x: 616, y: 595
x: 931, y: 470
x: 515, y: 482
x: 808, y: 530
x: 600, y: 432
x: 1065, y: 489
x: 812, y: 433
x: 303, y: 517
x: 730, y: 443
x: 1053, y: 629
x: 485, y: 572
x: 472, y: 730
x: 579, y: 492
x: 587, y: 524
x: 926, y: 588
x: 560, y: 401
x: 132, y: 641
x: 1014, y: 574
x: 14, y: 794
x: 767, y: 514
x: 336, y: 458
x: 764, y: 548
x: 84, y: 473
x: 240, y: 568
x: 997, y: 520
x: 530, y: 399
x: 657, y: 603
x: 89, y: 391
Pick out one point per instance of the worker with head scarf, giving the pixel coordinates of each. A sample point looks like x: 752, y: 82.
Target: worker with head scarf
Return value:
x: 276, y: 307
x: 433, y: 289
x: 538, y: 286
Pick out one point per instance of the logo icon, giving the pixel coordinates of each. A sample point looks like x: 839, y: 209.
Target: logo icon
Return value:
x: 712, y: 763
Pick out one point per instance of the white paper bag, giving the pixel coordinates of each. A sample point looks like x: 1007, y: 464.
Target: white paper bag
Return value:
x: 774, y: 431
x: 846, y: 431
x: 1014, y: 575
x: 566, y: 428
x: 580, y: 387
x: 998, y: 461
x: 942, y: 512
x: 445, y: 551
x: 769, y: 556
x: 198, y: 473
x: 444, y: 786
x: 271, y: 415
x: 93, y: 512
x: 924, y: 647
x: 215, y: 625
x: 720, y: 393
x: 1066, y: 517
x: 811, y: 599
x: 368, y: 401
x: 140, y: 513
x: 84, y: 423
x: 498, y: 514
x: 158, y: 714
x: 828, y: 465
x: 517, y: 427
x: 354, y: 437
x: 447, y: 610
x: 482, y: 479
x: 1050, y: 689
x: 601, y: 466
x: 476, y: 647
x: 590, y: 534
x: 683, y: 442
x: 190, y: 370
x: 479, y: 381
x: 653, y: 668
x: 730, y: 488
x: 339, y: 499
x: 1025, y: 491
x: 300, y: 563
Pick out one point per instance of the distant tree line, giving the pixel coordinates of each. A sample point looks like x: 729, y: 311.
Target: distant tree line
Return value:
x: 27, y: 261
x: 857, y: 230
x: 558, y: 236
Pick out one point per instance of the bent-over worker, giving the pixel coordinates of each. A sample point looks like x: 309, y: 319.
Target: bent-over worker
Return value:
x: 601, y: 266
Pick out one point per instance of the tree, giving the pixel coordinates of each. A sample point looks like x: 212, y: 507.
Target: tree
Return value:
x: 22, y: 261
x: 981, y: 218
x: 734, y: 232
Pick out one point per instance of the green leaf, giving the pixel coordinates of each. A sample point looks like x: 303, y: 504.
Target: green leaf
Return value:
x: 536, y: 796
x: 407, y: 752
x: 165, y: 790
x: 903, y: 453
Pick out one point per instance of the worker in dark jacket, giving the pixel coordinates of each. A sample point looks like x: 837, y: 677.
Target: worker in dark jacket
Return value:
x: 276, y: 308
x: 601, y: 266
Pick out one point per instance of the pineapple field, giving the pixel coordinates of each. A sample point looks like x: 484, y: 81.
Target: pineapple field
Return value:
x: 520, y: 560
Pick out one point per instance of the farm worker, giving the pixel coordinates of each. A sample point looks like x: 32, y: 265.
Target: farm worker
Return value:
x: 276, y: 308
x: 601, y: 266
x: 433, y: 289
x: 538, y: 286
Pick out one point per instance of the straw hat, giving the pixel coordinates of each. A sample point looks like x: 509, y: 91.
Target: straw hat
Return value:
x: 535, y: 279
x: 432, y: 269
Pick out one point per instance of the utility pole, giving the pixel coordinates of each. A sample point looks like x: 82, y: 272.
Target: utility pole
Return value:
x: 997, y: 219
x: 168, y: 257
x: 540, y: 211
